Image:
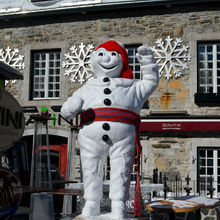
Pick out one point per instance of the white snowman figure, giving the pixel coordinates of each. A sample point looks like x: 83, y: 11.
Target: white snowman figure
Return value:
x: 110, y: 105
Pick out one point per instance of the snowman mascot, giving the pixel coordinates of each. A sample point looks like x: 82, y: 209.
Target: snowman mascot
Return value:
x: 110, y: 105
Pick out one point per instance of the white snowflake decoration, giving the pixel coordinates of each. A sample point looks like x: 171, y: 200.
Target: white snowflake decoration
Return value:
x: 12, y: 58
x: 78, y: 63
x: 171, y: 58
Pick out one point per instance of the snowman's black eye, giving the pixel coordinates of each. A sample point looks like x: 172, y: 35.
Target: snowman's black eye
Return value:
x: 100, y: 54
x: 114, y: 53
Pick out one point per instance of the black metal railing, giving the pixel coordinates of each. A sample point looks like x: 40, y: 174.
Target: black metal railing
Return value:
x: 176, y: 187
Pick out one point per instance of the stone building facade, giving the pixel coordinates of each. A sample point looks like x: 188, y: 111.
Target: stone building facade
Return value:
x: 174, y: 151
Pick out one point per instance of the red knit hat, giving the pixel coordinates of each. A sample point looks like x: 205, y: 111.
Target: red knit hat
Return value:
x: 114, y: 46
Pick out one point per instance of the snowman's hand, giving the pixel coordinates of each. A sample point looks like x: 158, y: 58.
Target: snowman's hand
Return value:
x: 145, y: 55
x: 71, y: 107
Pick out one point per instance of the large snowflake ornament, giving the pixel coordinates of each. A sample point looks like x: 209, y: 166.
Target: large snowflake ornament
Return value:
x: 13, y: 59
x: 77, y: 63
x: 171, y: 57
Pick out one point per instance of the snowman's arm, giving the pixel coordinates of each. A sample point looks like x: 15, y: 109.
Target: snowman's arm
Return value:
x: 150, y: 76
x: 72, y: 106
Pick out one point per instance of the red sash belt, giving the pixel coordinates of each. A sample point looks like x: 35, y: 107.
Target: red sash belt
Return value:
x: 123, y: 116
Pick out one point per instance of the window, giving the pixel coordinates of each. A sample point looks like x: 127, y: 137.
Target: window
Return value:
x: 209, y: 68
x: 133, y: 63
x: 208, y: 167
x: 46, y: 74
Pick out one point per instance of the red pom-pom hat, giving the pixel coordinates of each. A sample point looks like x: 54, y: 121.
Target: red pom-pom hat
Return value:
x: 114, y: 46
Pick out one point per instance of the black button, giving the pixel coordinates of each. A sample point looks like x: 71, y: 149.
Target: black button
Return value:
x: 106, y: 126
x: 107, y: 91
x: 105, y: 137
x: 106, y: 79
x: 107, y: 102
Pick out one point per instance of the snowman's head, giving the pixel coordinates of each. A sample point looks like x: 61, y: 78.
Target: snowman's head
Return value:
x: 111, y: 59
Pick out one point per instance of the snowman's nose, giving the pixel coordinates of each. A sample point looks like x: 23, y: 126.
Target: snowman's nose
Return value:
x: 106, y: 58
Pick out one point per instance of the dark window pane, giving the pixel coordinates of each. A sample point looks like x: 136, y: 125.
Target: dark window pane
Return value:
x: 218, y: 56
x: 210, y: 57
x: 57, y: 94
x: 57, y: 78
x: 210, y: 89
x: 130, y: 60
x: 51, y: 64
x: 36, y: 72
x: 202, y: 89
x: 58, y: 55
x: 209, y: 49
x: 36, y: 65
x: 202, y: 162
x: 57, y: 71
x: 202, y: 153
x: 36, y: 56
x: 202, y: 171
x: 218, y: 65
x: 51, y: 56
x: 210, y: 81
x: 137, y: 76
x: 50, y: 79
x: 202, y: 80
x: 137, y: 68
x: 201, y: 56
x: 201, y: 48
x: 50, y: 94
x: 42, y: 94
x: 130, y: 52
x: 201, y: 65
x: 209, y: 153
x: 57, y: 86
x: 50, y: 86
x: 210, y: 171
x: 210, y: 162
x: 210, y: 65
x: 43, y: 56
x: 43, y: 64
x: 36, y: 95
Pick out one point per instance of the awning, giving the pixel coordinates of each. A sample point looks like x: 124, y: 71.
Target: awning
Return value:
x: 180, y: 125
x: 7, y: 72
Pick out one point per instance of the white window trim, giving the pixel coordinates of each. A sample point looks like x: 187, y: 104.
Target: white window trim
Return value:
x: 194, y: 39
x: 46, y: 76
x: 198, y: 143
x: 27, y: 88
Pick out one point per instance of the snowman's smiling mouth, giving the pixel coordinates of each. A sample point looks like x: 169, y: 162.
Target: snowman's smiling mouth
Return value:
x: 108, y: 68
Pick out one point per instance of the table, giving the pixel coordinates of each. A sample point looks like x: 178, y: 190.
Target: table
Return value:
x: 206, y: 205
x: 171, y: 207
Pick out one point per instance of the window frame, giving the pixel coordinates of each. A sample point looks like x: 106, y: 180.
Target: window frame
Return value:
x: 47, y: 68
x: 208, y: 97
x: 207, y: 166
x: 135, y: 63
x: 214, y: 60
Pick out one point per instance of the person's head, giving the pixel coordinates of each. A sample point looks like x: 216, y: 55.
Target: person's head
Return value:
x: 111, y: 59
